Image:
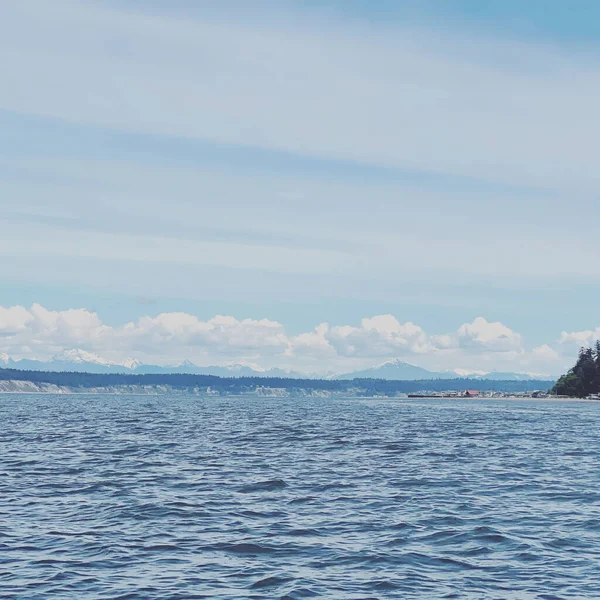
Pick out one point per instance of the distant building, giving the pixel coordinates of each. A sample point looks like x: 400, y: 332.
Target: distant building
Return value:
x: 471, y: 393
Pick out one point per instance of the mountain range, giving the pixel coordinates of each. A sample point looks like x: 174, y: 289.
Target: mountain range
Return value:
x: 396, y: 369
x: 88, y: 362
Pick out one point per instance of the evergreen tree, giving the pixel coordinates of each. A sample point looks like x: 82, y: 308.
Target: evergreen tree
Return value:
x: 583, y: 378
x: 596, y: 384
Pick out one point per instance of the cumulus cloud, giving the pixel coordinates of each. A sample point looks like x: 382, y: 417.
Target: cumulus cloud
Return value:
x: 223, y: 334
x: 545, y: 352
x: 480, y: 337
x: 38, y: 333
x: 312, y: 344
x: 14, y: 319
x: 483, y: 335
x: 379, y: 336
x: 580, y: 338
x: 166, y: 338
x: 38, y: 330
x: 382, y: 335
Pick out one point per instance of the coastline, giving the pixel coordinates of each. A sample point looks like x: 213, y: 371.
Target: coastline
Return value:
x: 65, y: 391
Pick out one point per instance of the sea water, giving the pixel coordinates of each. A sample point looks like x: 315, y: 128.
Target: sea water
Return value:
x: 200, y: 497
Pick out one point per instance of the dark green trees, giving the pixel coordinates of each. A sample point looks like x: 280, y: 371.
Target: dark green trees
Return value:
x: 584, y: 378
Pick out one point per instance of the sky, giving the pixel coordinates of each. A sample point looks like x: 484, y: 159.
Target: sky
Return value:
x: 312, y: 185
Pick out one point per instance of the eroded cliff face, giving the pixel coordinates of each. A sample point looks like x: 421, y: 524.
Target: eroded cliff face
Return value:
x: 30, y: 387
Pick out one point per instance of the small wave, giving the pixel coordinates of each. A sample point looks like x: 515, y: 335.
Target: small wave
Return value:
x: 244, y: 548
x: 263, y: 486
x: 270, y: 582
x: 296, y: 499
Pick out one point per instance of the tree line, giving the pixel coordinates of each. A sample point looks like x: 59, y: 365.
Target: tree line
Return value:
x: 583, y: 379
x: 239, y: 385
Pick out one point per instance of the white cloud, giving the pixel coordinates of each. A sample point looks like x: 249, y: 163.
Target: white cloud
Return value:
x: 379, y: 336
x: 313, y: 344
x: 382, y: 335
x: 14, y: 319
x: 168, y: 338
x: 443, y: 341
x: 491, y: 337
x: 223, y: 335
x: 580, y: 338
x: 41, y: 332
x: 545, y: 353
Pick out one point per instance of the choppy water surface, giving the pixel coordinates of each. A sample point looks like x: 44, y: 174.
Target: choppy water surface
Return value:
x: 184, y: 497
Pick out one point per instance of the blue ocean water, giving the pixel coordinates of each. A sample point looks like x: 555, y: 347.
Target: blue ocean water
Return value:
x: 189, y: 497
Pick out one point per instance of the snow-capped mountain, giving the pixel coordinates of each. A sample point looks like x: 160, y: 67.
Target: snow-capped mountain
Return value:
x: 397, y: 369
x: 81, y: 360
x: 501, y: 376
x: 186, y: 364
x: 131, y: 363
x: 77, y: 359
x: 78, y: 356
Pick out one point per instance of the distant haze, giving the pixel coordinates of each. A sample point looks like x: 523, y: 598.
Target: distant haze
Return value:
x: 82, y: 361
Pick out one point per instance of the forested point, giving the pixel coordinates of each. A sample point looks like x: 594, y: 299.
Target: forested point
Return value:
x: 583, y: 379
x: 240, y: 385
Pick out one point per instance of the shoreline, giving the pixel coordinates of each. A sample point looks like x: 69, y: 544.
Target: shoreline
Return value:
x: 286, y: 397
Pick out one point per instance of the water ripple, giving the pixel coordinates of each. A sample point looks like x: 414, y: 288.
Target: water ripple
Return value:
x: 107, y: 497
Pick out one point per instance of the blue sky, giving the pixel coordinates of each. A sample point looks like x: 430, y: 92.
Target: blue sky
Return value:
x: 305, y: 163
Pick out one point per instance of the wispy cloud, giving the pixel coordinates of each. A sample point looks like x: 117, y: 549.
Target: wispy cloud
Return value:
x: 411, y: 98
x: 329, y: 164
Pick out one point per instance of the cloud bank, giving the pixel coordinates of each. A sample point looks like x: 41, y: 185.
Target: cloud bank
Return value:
x: 170, y: 337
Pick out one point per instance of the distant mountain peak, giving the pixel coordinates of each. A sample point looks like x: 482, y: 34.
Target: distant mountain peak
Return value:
x: 468, y: 373
x: 394, y: 362
x: 241, y: 366
x: 186, y: 364
x: 78, y: 356
x: 131, y: 363
x: 392, y: 369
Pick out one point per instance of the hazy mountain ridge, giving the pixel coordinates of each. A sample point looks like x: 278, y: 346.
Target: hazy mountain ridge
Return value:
x: 82, y: 360
x: 395, y: 369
